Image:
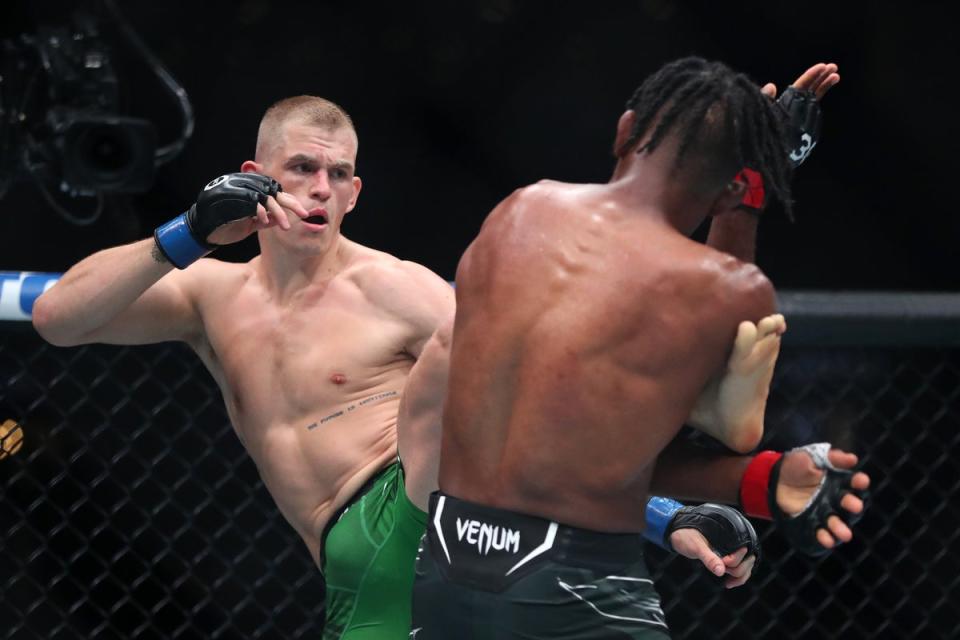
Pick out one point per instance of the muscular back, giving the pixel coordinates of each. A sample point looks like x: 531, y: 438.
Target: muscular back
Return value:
x: 584, y: 333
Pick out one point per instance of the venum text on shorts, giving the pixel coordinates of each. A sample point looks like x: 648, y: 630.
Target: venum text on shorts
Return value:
x: 485, y: 536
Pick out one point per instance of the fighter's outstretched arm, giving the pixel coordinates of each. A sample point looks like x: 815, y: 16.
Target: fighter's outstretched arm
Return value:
x: 812, y: 491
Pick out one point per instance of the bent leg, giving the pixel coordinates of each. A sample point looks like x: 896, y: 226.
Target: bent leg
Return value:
x: 370, y: 554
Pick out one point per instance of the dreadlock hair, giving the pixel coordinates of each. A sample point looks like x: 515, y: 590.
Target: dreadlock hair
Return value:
x: 721, y: 114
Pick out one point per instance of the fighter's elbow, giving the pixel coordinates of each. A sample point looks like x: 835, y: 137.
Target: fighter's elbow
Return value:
x: 43, y: 317
x: 49, y: 322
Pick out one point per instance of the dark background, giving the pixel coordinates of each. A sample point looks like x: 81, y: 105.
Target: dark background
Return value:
x: 458, y: 103
x: 132, y: 510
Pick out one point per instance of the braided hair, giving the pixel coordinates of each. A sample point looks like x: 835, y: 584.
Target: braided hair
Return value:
x: 718, y: 111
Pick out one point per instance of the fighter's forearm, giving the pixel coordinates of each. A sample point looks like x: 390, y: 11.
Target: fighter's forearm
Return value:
x: 96, y: 290
x: 685, y: 471
x: 421, y: 415
x: 735, y: 232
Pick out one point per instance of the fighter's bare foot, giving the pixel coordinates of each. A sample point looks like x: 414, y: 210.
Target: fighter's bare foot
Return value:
x: 731, y: 408
x: 756, y: 347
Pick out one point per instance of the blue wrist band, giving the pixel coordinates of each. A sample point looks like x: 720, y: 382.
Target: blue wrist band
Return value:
x: 660, y: 512
x: 178, y: 244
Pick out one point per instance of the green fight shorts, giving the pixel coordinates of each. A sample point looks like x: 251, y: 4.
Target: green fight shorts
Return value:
x: 368, y: 562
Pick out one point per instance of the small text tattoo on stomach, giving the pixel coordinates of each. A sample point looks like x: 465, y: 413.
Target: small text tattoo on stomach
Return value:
x: 353, y: 407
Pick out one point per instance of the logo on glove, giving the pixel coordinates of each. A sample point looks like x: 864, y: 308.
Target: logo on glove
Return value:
x: 801, y: 153
x: 215, y: 182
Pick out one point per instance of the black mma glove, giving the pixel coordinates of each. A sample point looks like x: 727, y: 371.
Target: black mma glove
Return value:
x: 801, y: 113
x: 725, y: 528
x: 230, y: 197
x: 758, y: 496
x: 802, y: 121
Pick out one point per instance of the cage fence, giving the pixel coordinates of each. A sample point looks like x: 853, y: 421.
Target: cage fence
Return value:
x: 128, y: 508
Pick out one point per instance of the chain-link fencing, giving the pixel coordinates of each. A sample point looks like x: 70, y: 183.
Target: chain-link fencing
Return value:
x: 130, y: 510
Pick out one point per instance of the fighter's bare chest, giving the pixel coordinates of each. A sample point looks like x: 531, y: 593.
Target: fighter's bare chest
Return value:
x: 305, y: 354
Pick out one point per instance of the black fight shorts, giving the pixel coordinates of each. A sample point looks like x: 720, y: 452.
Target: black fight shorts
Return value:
x: 489, y: 574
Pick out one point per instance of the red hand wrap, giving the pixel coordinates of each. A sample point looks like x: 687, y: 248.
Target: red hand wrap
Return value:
x: 755, y: 484
x: 754, y: 196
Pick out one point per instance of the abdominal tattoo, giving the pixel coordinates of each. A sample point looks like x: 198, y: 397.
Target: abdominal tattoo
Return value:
x: 352, y: 407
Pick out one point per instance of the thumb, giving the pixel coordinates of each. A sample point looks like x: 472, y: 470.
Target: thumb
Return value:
x: 769, y: 90
x: 711, y: 561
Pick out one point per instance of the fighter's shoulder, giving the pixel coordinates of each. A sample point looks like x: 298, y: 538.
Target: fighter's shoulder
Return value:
x: 539, y: 192
x: 743, y: 286
x: 533, y: 199
x: 209, y: 276
x: 406, y: 293
x: 385, y: 278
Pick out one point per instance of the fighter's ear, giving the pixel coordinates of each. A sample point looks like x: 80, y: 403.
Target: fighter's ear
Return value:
x: 357, y: 185
x: 730, y: 197
x: 624, y: 130
x: 735, y: 189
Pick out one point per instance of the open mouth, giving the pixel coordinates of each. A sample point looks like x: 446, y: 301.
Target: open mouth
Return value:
x: 318, y: 217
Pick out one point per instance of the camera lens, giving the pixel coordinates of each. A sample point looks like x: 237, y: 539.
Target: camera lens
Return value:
x: 106, y: 151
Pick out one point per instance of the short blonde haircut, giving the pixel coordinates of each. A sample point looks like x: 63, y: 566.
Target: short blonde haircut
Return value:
x: 309, y: 110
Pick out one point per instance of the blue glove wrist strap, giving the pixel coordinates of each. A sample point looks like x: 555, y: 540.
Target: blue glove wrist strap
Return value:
x: 660, y: 512
x: 177, y: 243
